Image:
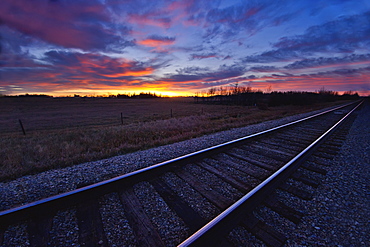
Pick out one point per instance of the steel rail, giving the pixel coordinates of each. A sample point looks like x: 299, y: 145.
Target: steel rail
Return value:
x: 63, y: 200
x: 210, y: 234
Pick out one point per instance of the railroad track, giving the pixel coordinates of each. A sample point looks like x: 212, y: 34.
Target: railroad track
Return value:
x: 200, y: 199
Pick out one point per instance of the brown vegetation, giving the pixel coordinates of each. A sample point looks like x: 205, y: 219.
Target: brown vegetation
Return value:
x: 62, y: 132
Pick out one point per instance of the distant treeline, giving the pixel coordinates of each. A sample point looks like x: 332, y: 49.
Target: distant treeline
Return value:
x: 27, y: 96
x: 129, y: 96
x: 235, y: 95
x: 140, y: 96
x: 246, y: 96
x: 121, y: 96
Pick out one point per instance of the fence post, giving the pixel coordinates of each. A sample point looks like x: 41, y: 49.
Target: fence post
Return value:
x: 20, y: 122
x: 121, y: 118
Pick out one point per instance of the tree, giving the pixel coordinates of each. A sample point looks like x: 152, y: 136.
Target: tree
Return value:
x: 212, y: 91
x: 269, y: 89
x: 236, y: 89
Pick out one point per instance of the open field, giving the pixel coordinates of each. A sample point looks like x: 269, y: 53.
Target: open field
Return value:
x: 61, y: 132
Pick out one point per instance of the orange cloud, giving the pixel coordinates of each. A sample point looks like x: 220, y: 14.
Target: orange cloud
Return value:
x: 158, y: 42
x: 155, y: 43
x: 142, y: 72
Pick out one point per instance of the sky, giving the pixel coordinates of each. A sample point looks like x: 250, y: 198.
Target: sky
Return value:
x: 95, y: 47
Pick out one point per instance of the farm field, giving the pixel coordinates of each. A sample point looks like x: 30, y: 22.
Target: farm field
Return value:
x: 62, y: 132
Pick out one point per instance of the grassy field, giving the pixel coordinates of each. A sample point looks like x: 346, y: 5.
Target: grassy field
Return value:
x: 62, y: 132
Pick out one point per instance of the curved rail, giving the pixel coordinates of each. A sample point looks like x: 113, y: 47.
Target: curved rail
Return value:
x: 207, y: 234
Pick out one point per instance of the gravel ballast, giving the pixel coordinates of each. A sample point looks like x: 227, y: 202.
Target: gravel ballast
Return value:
x: 339, y: 213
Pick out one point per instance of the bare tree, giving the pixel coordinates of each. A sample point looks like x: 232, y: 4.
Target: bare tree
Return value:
x: 269, y: 89
x: 212, y: 91
x: 236, y: 89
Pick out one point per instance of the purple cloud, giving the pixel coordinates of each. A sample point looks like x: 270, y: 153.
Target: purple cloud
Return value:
x: 74, y: 24
x: 343, y: 35
x: 246, y: 17
x: 327, y: 61
x: 263, y: 68
x: 203, y: 56
x: 201, y: 75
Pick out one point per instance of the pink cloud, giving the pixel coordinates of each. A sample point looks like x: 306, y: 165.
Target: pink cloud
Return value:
x: 164, y: 16
x: 151, y: 19
x: 179, y: 5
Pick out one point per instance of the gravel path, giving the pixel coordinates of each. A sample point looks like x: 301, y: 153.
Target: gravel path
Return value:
x: 339, y: 213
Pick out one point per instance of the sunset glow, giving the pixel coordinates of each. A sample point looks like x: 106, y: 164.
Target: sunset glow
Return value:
x: 181, y: 48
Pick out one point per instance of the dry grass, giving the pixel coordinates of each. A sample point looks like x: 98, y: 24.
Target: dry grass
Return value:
x: 63, y: 132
